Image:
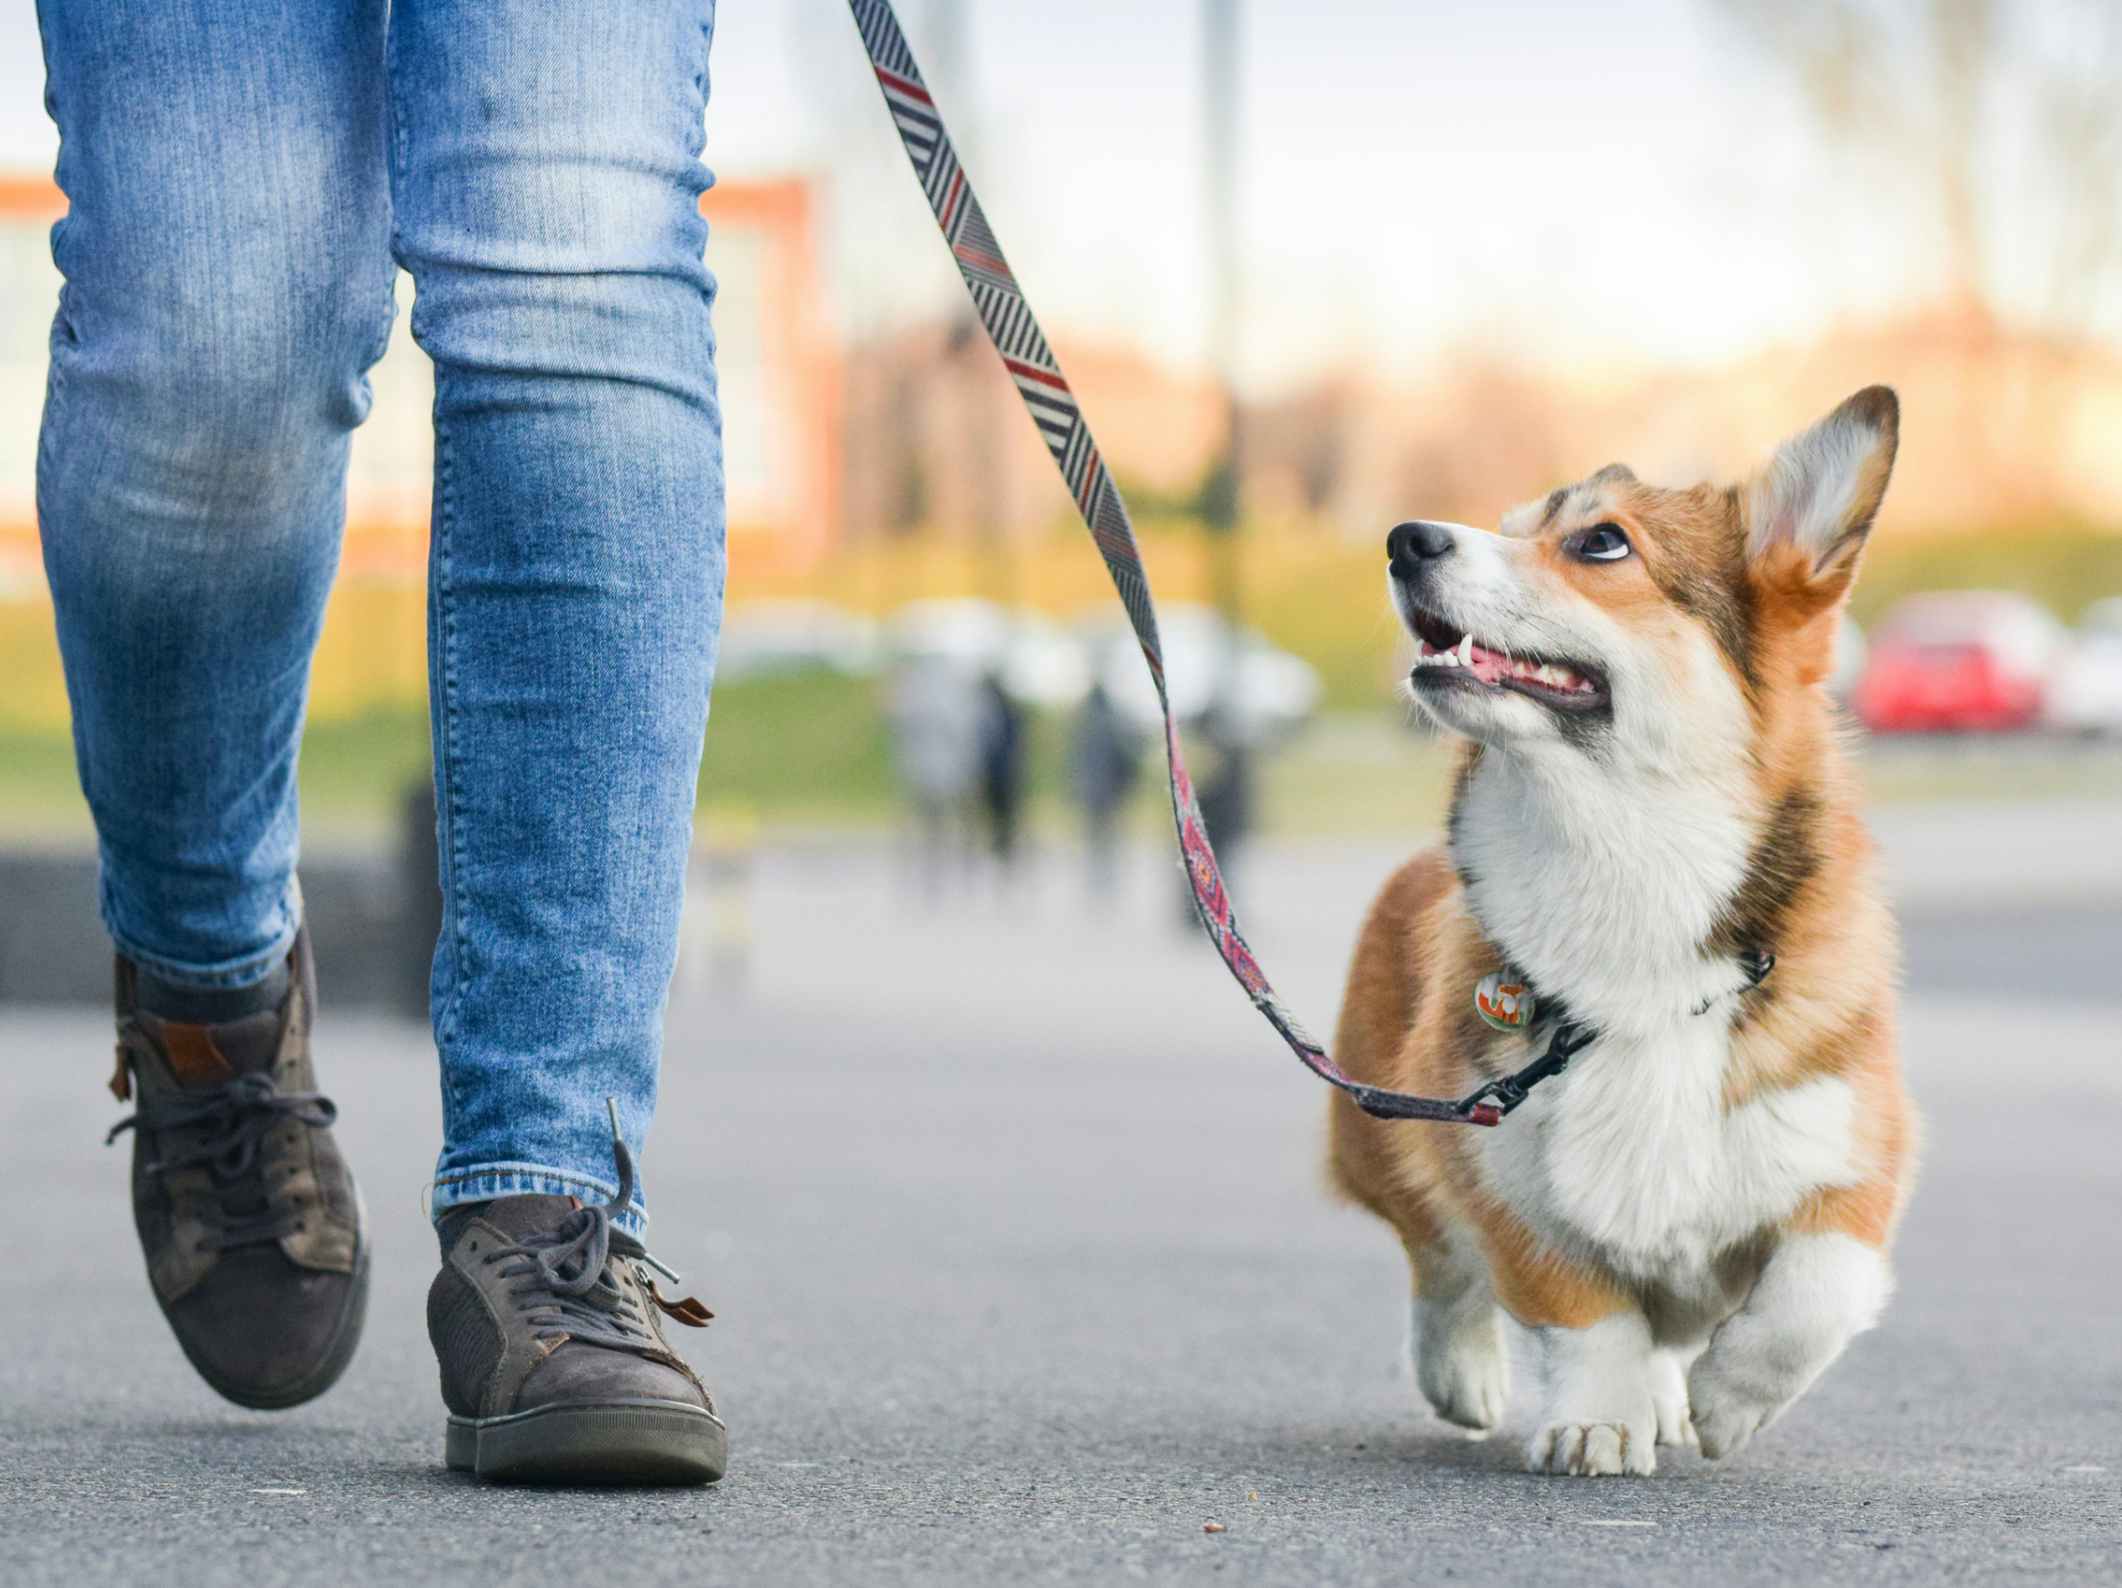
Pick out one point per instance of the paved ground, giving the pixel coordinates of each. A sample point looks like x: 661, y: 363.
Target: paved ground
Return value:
x: 1024, y: 1274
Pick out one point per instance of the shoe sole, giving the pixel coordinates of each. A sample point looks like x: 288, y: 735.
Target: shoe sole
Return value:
x: 320, y: 1378
x: 626, y: 1441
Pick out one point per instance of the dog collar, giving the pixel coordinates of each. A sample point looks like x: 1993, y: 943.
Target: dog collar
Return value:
x: 1505, y: 1002
x: 1504, y: 998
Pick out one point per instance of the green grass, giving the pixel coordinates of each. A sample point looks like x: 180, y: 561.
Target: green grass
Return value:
x: 361, y: 767
x: 808, y: 749
x: 38, y: 791
x: 805, y: 747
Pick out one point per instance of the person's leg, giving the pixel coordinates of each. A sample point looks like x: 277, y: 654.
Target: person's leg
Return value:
x: 227, y: 281
x: 546, y: 178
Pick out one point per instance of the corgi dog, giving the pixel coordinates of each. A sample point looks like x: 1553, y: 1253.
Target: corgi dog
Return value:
x: 1651, y: 805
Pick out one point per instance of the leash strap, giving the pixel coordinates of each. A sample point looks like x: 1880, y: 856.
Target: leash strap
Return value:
x: 1032, y: 365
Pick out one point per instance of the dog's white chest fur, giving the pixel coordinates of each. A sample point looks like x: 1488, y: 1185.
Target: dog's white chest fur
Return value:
x: 1632, y: 1155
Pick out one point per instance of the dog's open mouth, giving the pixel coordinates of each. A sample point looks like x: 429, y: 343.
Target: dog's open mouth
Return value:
x: 1447, y: 655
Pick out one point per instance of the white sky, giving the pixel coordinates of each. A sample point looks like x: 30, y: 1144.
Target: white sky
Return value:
x: 1590, y: 184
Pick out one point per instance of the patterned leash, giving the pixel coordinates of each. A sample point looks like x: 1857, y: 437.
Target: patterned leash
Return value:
x: 1032, y: 365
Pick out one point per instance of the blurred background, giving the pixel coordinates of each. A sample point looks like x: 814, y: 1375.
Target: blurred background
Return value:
x: 1313, y: 268
x: 1009, y: 1207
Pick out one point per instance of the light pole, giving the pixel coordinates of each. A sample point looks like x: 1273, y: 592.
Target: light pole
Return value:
x: 1219, y: 43
x: 1227, y: 798
x: 967, y: 345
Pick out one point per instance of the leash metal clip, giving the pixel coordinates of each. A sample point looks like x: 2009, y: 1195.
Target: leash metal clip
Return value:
x: 1489, y: 1103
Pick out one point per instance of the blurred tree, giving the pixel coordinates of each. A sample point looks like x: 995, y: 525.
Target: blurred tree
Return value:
x: 2030, y: 174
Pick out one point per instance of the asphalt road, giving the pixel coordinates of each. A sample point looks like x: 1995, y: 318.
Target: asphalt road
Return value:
x: 1013, y: 1223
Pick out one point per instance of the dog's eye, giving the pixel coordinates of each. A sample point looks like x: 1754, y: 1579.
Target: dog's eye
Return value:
x: 1601, y: 543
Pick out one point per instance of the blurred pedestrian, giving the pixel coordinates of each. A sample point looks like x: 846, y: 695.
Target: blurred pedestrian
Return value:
x: 1001, y: 766
x: 936, y: 716
x: 244, y: 181
x: 1104, y: 763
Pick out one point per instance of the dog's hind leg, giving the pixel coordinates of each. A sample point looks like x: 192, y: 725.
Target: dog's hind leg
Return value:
x: 1668, y: 1394
x: 1456, y: 1337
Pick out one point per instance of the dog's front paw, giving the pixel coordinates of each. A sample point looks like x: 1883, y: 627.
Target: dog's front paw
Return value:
x: 1727, y: 1412
x: 1593, y: 1450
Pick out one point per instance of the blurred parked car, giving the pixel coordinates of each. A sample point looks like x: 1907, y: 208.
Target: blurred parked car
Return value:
x: 1037, y: 661
x: 1263, y: 694
x: 1960, y: 661
x: 763, y: 638
x: 2085, y: 694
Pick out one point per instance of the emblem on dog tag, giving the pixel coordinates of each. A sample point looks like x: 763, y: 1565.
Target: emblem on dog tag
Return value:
x: 1504, y: 1001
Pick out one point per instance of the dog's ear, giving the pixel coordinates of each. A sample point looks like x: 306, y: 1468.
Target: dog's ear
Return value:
x: 1808, y: 512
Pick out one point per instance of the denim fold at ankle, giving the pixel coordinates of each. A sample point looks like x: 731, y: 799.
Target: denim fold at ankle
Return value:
x: 485, y: 1182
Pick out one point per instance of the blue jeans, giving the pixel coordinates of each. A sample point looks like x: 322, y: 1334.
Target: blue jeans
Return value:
x: 241, y: 177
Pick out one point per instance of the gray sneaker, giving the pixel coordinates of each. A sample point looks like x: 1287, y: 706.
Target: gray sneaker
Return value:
x: 248, y: 1217
x: 548, y: 1328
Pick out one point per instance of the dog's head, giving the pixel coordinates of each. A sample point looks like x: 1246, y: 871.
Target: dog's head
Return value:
x: 1614, y: 617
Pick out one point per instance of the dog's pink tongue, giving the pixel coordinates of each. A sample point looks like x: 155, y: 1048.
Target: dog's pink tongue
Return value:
x: 1488, y: 666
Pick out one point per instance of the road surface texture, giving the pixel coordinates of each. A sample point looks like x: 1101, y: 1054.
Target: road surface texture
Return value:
x: 1011, y: 1213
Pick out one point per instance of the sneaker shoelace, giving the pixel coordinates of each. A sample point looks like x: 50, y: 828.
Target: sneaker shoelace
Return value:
x: 564, y: 1284
x: 232, y: 1121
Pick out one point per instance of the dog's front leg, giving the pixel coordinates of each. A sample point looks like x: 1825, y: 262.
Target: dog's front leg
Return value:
x: 1816, y: 1292
x: 1599, y: 1414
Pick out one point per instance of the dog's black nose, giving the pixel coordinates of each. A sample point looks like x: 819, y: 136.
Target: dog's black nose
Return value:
x: 1414, y: 543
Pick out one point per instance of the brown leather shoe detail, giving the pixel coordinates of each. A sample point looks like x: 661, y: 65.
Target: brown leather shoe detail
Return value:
x: 688, y: 1311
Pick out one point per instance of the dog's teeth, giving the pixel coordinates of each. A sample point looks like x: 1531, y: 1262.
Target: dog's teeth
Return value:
x: 1466, y: 650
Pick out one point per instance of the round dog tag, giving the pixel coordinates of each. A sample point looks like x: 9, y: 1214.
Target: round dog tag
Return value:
x: 1504, y: 1001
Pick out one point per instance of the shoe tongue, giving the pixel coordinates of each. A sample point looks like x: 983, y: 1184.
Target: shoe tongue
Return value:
x: 517, y: 1217
x: 210, y: 1055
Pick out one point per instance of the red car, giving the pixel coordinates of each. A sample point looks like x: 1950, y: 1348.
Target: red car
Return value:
x: 1963, y: 662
